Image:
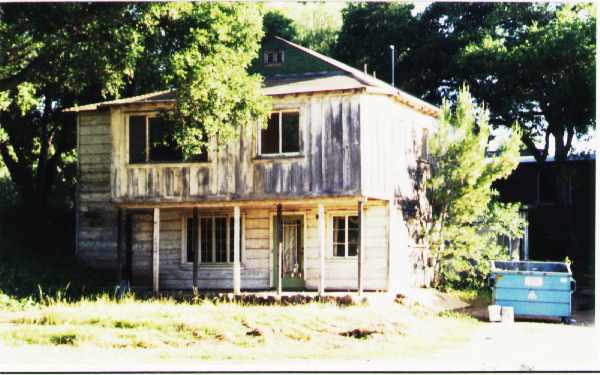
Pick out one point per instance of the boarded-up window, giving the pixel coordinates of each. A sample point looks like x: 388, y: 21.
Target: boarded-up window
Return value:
x: 346, y: 231
x: 151, y: 140
x: 282, y: 135
x: 137, y: 139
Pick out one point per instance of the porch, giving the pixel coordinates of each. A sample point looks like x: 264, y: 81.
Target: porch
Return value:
x: 333, y: 245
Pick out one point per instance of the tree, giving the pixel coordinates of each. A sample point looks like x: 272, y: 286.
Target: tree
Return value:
x: 367, y: 31
x: 276, y: 23
x: 466, y: 217
x: 215, y: 95
x: 54, y: 55
x: 57, y: 55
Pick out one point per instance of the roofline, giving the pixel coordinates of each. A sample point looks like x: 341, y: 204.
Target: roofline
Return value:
x: 409, y: 99
x: 374, y: 85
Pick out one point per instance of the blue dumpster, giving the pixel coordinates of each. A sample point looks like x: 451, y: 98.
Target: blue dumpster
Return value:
x: 533, y: 288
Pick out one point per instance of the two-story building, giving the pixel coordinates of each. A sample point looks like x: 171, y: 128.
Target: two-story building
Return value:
x: 335, y: 181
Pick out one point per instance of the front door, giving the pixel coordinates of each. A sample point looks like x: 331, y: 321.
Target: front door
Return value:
x: 292, y: 255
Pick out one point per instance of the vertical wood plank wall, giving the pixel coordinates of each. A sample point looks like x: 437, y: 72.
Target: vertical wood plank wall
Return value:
x: 330, y: 154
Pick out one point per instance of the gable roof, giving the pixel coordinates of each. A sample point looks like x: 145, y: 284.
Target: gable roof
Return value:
x: 342, y: 77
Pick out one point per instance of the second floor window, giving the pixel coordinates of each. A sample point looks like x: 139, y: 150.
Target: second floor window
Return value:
x: 282, y: 135
x: 151, y: 140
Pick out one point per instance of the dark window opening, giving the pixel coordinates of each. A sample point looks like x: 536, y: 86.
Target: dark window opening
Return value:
x: 151, y: 140
x: 137, y: 139
x: 282, y: 135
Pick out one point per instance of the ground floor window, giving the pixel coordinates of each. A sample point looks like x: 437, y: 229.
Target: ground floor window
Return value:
x: 215, y: 239
x: 345, y: 235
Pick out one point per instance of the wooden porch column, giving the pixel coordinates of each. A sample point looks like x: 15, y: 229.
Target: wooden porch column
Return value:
x: 155, y: 249
x: 236, y: 251
x: 279, y: 248
x: 361, y: 246
x: 195, y: 249
x: 321, y: 249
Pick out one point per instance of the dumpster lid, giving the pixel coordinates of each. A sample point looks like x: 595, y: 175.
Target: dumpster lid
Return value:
x: 530, y: 266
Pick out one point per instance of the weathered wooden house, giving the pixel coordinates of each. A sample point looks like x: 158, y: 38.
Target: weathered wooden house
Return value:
x: 333, y: 181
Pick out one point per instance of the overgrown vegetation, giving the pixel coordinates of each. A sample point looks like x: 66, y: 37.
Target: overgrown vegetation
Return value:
x: 467, y: 220
x: 224, y: 331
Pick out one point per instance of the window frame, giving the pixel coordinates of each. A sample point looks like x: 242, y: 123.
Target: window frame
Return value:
x: 259, y: 152
x: 275, y: 53
x: 331, y: 236
x: 147, y: 161
x: 228, y: 217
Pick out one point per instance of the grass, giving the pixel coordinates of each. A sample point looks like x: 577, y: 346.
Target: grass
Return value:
x: 225, y: 331
x: 53, y: 309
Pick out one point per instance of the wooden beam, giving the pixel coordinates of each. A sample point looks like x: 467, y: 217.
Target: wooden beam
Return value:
x: 321, y: 219
x: 155, y: 249
x: 279, y: 248
x: 236, y: 251
x: 361, y: 248
x: 195, y: 252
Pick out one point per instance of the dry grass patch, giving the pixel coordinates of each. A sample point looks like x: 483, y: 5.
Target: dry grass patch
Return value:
x: 225, y: 331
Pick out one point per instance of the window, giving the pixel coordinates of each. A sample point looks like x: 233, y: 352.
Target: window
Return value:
x: 345, y: 236
x: 273, y: 57
x: 282, y: 135
x: 151, y: 141
x: 216, y: 235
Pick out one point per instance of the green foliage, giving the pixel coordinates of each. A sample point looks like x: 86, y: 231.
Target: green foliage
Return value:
x: 466, y: 219
x: 215, y: 94
x: 276, y: 23
x: 531, y: 63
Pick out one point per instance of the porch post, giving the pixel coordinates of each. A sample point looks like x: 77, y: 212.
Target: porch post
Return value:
x: 195, y: 249
x: 321, y: 249
x: 236, y: 251
x: 361, y: 246
x: 155, y: 249
x: 279, y: 248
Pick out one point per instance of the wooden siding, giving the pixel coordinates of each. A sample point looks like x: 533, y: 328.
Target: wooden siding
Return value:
x: 256, y: 260
x: 97, y: 217
x: 330, y: 140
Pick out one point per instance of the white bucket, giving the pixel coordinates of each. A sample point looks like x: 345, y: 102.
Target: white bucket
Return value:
x: 508, y: 314
x: 494, y: 313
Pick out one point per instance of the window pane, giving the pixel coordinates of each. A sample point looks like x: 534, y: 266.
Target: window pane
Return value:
x: 339, y: 233
x: 353, y: 234
x: 163, y: 146
x: 206, y: 241
x: 290, y: 125
x: 279, y: 56
x: 137, y: 139
x: 190, y: 240
x: 269, y: 137
x: 221, y: 239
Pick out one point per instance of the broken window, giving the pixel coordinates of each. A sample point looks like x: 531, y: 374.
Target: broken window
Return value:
x: 151, y: 140
x: 346, y: 232
x: 282, y: 134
